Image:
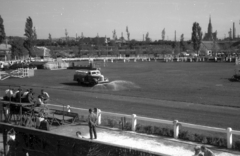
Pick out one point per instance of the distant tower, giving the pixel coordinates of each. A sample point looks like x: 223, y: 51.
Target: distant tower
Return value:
x: 175, y: 38
x: 210, y: 26
x: 210, y: 36
x: 230, y: 34
x: 82, y: 35
x: 143, y: 37
x: 234, y: 31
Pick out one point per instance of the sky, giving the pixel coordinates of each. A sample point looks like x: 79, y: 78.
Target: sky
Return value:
x: 102, y: 17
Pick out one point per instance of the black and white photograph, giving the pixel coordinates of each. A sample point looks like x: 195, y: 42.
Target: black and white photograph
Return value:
x: 119, y: 78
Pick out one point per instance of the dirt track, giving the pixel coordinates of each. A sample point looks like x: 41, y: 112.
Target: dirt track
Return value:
x: 197, y: 93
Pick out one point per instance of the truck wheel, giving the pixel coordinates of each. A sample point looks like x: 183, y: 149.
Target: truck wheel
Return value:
x: 79, y: 82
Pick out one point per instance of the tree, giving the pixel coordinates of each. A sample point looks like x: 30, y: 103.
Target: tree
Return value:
x: 182, y: 46
x: 67, y: 37
x: 196, y: 36
x: 80, y: 47
x: 147, y: 39
x: 50, y: 38
x: 17, y: 48
x: 163, y: 34
x: 2, y: 30
x: 128, y: 34
x: 34, y: 36
x: 29, y: 33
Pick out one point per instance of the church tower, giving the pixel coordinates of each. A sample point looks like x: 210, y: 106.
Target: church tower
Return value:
x: 210, y: 26
x: 210, y: 36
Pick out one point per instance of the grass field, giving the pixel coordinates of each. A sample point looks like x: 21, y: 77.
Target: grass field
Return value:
x: 198, y: 93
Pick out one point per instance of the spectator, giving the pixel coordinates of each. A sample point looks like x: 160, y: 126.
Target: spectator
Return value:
x: 1, y: 66
x: 30, y: 96
x: 39, y: 101
x: 39, y: 119
x: 18, y: 95
x: 206, y: 151
x: 25, y: 96
x: 8, y: 95
x: 92, y: 121
x: 45, y: 96
x: 197, y: 150
x: 15, y: 93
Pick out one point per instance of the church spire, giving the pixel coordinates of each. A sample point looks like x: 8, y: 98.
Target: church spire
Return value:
x: 210, y: 26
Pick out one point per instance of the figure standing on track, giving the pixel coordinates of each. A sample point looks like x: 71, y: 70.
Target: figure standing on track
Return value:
x: 45, y: 96
x: 92, y: 122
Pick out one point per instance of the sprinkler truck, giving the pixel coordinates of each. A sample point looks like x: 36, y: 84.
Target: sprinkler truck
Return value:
x: 89, y: 77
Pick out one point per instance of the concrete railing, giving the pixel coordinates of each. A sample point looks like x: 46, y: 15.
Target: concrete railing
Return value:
x: 176, y: 124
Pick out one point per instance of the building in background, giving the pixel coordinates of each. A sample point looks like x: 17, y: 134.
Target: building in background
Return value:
x: 41, y: 52
x: 5, y: 52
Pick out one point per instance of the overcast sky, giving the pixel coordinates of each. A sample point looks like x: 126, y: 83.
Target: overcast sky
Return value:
x: 103, y: 16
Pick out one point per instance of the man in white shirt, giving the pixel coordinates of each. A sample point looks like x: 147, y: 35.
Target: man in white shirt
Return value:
x: 8, y: 94
x: 15, y: 93
x: 24, y: 96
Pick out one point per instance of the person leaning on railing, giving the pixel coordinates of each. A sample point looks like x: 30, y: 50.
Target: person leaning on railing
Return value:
x: 25, y: 96
x: 39, y: 101
x: 45, y: 96
x: 8, y: 95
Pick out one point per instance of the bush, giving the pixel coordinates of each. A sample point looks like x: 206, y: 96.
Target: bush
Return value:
x: 148, y: 129
x: 166, y: 132
x: 111, y: 123
x: 183, y: 135
x: 127, y: 126
x: 237, y: 145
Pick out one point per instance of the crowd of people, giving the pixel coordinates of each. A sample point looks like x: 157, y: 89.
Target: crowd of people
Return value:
x: 28, y: 96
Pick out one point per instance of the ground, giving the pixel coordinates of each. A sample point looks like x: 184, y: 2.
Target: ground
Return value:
x: 199, y: 93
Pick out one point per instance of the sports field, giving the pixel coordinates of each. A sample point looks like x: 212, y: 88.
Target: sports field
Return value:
x: 199, y: 93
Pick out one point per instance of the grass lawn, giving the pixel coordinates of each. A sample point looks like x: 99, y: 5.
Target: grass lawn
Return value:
x: 198, y: 93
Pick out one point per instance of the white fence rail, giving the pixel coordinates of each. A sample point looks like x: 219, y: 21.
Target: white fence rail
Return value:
x: 176, y: 124
x: 20, y: 73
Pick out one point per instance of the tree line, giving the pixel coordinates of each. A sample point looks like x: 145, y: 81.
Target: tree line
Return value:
x: 25, y: 45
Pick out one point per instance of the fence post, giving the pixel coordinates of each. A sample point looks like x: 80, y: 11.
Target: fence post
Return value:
x: 134, y: 122
x: 99, y: 117
x: 27, y: 69
x: 175, y: 128
x: 229, y: 137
